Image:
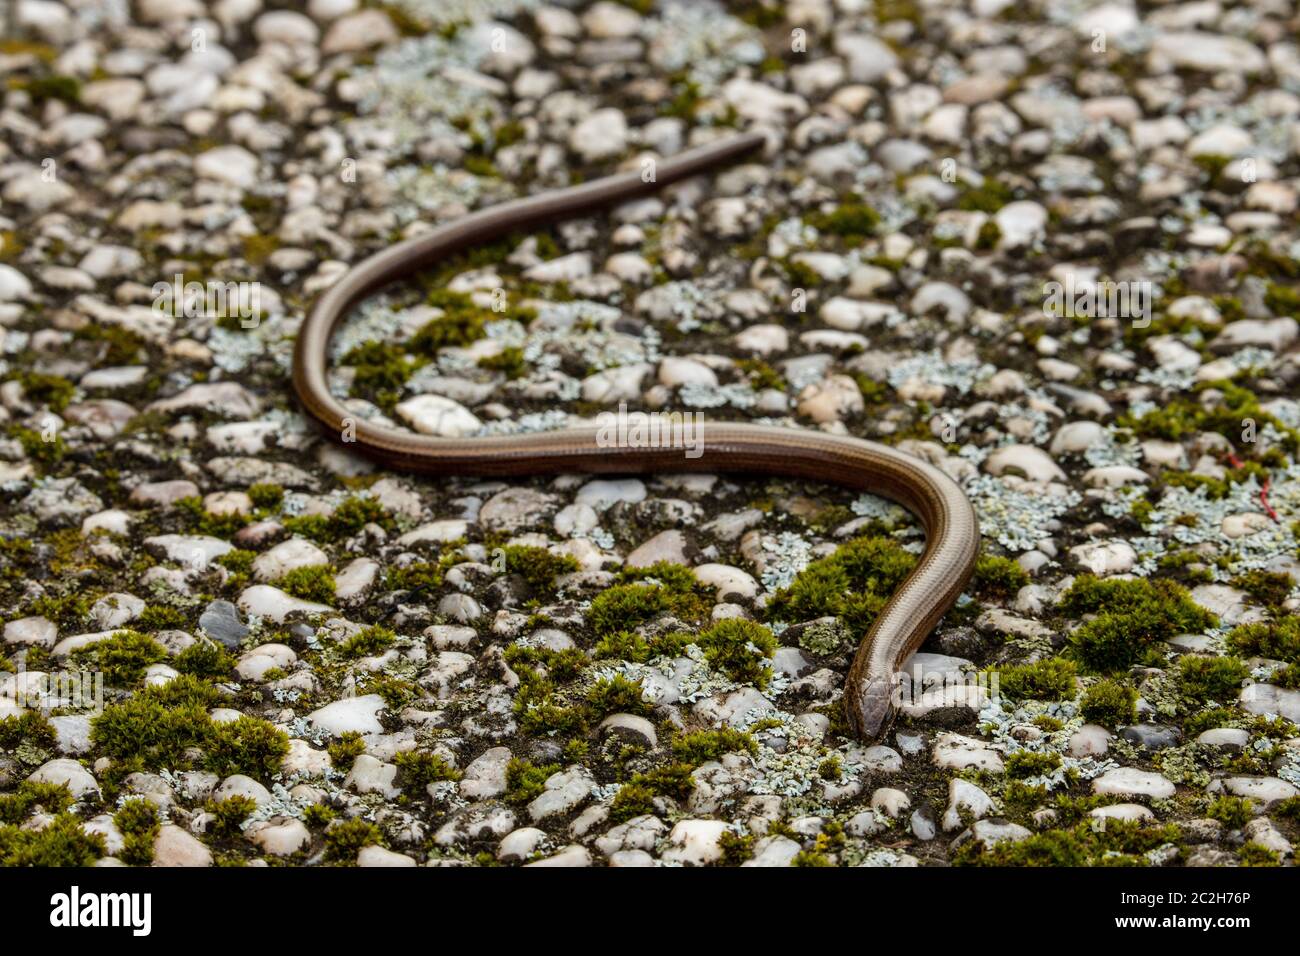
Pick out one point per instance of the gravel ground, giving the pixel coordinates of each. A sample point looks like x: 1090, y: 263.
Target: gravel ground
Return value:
x: 1050, y: 247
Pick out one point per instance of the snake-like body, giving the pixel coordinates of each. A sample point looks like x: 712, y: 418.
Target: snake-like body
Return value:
x: 952, y: 534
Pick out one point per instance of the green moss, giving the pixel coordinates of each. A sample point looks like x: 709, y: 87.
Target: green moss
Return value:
x: 317, y: 815
x: 238, y: 561
x: 1233, y: 812
x: 624, y: 645
x: 560, y: 665
x: 1142, y: 511
x: 1027, y: 763
x: 811, y: 858
x: 801, y: 275
x: 314, y: 582
x: 417, y: 769
x: 122, y: 658
x: 266, y: 496
x: 1216, y: 489
x: 380, y: 372
x: 736, y: 847
x: 1255, y: 854
x: 636, y: 797
x: 52, y: 87
x: 117, y: 345
x: 538, y: 566
x: 989, y: 236
x: 1049, y: 679
x: 138, y: 821
x: 854, y: 584
x: 1110, y: 704
x: 160, y: 617
x: 1288, y: 809
x: 685, y: 101
x: 1132, y: 615
x: 29, y: 728
x: 647, y: 594
x: 740, y: 649
x: 1263, y: 260
x: 30, y: 797
x: 828, y: 841
x: 998, y: 578
x: 368, y: 641
x: 347, y: 519
x: 1270, y: 588
x: 1288, y: 677
x: 11, y: 246
x: 247, y: 745
x: 1282, y: 299
x: 705, y: 745
x: 461, y: 324
x: 229, y: 815
x: 60, y: 843
x: 65, y: 610
x: 509, y: 361
x: 154, y: 727
x: 989, y: 197
x: 416, y: 576
x: 345, y: 750
x: 541, y: 713
x: 36, y: 448
x: 1212, y: 163
x: 1209, y: 678
x: 480, y: 166
x: 49, y: 390
x: 526, y: 782
x: 1279, y: 640
x: 617, y: 695
x: 1119, y: 843
x: 853, y: 219
x: 761, y: 375
x: 1196, y: 724
x: 1223, y: 413
x: 198, y: 520
x: 205, y: 660
x: 398, y: 694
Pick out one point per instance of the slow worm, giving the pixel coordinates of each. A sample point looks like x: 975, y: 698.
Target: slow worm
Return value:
x: 952, y: 535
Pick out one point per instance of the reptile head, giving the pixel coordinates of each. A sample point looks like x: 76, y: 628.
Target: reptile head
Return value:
x: 873, y: 710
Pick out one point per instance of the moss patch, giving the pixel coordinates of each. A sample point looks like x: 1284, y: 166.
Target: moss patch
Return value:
x: 1132, y: 616
x: 854, y: 584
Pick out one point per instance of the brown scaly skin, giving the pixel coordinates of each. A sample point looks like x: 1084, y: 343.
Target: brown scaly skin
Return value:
x: 952, y: 534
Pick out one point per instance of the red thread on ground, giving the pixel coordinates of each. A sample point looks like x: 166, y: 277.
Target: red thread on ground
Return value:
x: 1235, y: 462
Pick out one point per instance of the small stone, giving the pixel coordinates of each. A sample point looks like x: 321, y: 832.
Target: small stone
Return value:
x: 220, y: 621
x: 485, y: 775
x: 695, y: 842
x: 79, y: 781
x: 564, y: 792
x: 1131, y: 782
x: 31, y: 631
x: 282, y: 839
x: 955, y: 752
x: 174, y: 847
x: 435, y: 415
x: 1033, y: 463
x: 356, y: 714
